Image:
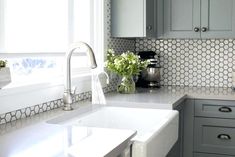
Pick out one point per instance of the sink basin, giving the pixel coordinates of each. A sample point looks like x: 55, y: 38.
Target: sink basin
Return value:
x: 157, y: 130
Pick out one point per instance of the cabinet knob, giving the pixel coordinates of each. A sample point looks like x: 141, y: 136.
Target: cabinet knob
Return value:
x: 224, y: 137
x: 149, y: 27
x: 204, y: 29
x: 225, y: 109
x: 196, y: 29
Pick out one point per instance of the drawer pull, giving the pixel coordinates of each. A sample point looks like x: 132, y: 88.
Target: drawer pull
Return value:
x: 225, y: 109
x: 224, y: 137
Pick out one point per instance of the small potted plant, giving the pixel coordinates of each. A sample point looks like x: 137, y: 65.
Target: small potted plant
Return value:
x: 5, y: 75
x: 126, y: 65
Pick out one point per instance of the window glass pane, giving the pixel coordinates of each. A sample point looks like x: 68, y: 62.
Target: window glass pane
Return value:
x: 83, y: 21
x: 29, y: 70
x: 46, y: 26
x: 36, y: 25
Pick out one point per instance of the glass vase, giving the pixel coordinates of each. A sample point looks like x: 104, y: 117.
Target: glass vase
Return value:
x: 126, y: 85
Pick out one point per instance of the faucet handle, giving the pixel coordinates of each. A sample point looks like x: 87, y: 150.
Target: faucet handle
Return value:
x: 73, y: 90
x: 107, y: 76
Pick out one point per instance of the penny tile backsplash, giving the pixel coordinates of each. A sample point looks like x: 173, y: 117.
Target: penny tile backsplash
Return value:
x: 188, y: 62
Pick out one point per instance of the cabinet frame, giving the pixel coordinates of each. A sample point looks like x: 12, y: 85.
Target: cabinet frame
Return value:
x: 210, y: 19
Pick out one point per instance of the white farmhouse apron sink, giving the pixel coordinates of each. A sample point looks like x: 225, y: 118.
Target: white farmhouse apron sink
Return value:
x: 157, y: 130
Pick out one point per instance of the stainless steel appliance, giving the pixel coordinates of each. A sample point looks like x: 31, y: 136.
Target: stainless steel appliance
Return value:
x: 151, y: 76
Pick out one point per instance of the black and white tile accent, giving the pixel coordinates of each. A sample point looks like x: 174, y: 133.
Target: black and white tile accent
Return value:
x: 201, y: 63
x: 40, y: 108
x: 29, y: 111
x: 47, y: 106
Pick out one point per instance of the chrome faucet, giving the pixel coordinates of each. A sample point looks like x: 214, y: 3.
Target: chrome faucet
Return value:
x: 67, y: 97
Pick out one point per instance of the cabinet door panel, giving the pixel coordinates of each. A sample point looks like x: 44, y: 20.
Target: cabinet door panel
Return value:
x: 218, y: 16
x: 150, y: 18
x: 180, y: 18
x: 213, y: 135
x: 215, y: 108
x: 127, y: 18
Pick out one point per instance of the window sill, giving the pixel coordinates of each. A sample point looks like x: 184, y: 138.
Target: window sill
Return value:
x: 18, y: 97
x: 32, y: 86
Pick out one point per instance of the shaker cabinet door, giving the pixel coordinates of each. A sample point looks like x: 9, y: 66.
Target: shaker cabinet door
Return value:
x: 218, y: 19
x: 182, y: 18
x: 127, y: 19
x: 213, y: 135
x: 150, y: 26
x: 135, y: 18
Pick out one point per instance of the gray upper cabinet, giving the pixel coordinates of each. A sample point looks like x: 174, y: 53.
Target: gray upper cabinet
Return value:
x: 218, y: 19
x: 199, y: 18
x: 181, y: 18
x: 135, y: 18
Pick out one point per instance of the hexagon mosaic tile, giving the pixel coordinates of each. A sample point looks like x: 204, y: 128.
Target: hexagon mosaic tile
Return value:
x: 44, y: 107
x: 202, y: 63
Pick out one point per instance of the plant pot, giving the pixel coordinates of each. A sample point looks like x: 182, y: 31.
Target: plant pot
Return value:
x: 5, y: 76
x: 126, y: 85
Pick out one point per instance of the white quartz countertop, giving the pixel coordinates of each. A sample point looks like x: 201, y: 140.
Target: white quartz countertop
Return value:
x: 46, y: 140
x: 153, y: 98
x: 32, y: 137
x: 167, y: 97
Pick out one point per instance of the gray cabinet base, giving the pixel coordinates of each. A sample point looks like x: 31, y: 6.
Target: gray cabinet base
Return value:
x: 209, y: 155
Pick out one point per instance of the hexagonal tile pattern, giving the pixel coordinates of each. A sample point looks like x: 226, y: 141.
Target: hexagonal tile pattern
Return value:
x: 190, y: 62
x: 30, y: 111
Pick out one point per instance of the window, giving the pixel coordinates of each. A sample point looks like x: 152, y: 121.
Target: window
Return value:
x: 35, y: 34
x: 35, y: 26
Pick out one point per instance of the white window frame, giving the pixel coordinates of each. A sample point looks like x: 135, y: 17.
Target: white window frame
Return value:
x: 24, y: 96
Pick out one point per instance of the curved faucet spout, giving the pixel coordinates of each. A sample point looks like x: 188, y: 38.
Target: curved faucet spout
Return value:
x: 89, y: 52
x: 67, y: 98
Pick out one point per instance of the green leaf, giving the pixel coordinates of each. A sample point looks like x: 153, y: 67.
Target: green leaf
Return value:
x: 3, y: 63
x: 125, y: 64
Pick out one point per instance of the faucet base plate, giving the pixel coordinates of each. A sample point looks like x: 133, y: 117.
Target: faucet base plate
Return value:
x: 67, y: 108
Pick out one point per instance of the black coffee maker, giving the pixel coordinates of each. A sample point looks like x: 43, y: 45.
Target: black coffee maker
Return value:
x: 150, y: 77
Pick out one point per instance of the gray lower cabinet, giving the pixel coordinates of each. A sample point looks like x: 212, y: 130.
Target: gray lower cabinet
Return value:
x: 199, y: 18
x: 214, y: 128
x: 214, y: 135
x: 215, y: 108
x: 207, y: 129
x: 188, y: 128
x: 210, y: 155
